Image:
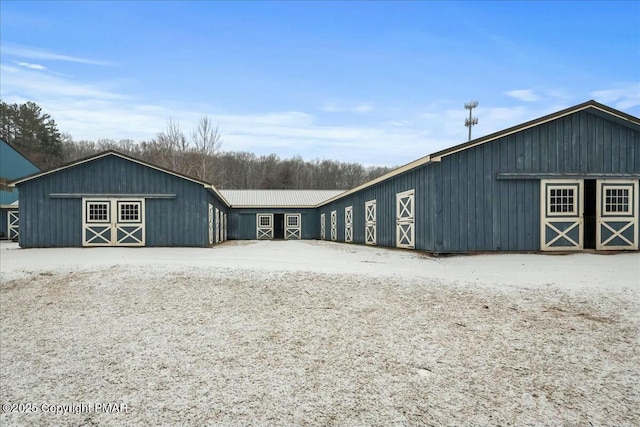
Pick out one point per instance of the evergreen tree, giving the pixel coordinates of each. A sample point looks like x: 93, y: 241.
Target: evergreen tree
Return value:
x: 33, y: 132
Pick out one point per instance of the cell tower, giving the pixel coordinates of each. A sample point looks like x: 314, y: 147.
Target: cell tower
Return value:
x: 471, y: 121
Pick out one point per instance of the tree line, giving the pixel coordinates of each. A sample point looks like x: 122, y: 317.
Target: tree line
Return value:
x: 198, y: 154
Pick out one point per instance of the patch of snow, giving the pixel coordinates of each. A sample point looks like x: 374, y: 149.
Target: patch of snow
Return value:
x: 319, y: 333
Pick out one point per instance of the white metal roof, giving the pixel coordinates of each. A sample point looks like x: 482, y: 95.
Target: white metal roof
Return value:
x: 277, y: 198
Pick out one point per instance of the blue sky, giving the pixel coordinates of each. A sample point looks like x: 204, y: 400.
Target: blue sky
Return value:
x: 380, y: 83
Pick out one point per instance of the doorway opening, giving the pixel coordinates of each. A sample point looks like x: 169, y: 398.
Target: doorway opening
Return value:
x: 589, y: 215
x: 278, y: 226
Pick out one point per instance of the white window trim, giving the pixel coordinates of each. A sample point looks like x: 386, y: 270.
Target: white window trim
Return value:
x: 631, y: 200
x: 129, y: 202
x: 574, y: 185
x: 88, y: 204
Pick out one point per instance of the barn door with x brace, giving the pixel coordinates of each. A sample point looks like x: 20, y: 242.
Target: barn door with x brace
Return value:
x: 211, y: 225
x: 113, y: 222
x: 13, y: 225
x: 562, y: 208
x: 334, y: 225
x: 370, y: 222
x: 405, y: 231
x: 224, y: 227
x: 348, y: 224
x: 323, y: 229
x: 292, y: 227
x: 617, y: 215
x: 264, y: 224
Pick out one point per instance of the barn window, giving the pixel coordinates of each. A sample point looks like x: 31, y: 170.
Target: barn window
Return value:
x: 129, y: 211
x: 616, y: 200
x: 292, y: 220
x: 562, y: 200
x: 265, y: 221
x: 98, y: 212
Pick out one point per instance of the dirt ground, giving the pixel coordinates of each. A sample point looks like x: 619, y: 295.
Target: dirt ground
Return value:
x: 215, y: 345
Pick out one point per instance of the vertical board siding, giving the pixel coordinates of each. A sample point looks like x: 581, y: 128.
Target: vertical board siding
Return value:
x: 462, y: 207
x: 54, y: 222
x: 504, y: 215
x: 385, y: 195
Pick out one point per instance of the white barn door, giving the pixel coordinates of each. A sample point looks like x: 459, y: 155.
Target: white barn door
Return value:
x: 292, y: 226
x: 129, y: 226
x: 348, y: 224
x: 216, y: 218
x: 113, y: 222
x: 224, y: 227
x: 405, y: 209
x: 334, y: 225
x: 323, y: 229
x: 617, y: 215
x: 97, y: 227
x: 13, y: 225
x: 211, y: 225
x: 562, y: 208
x: 370, y: 222
x: 264, y: 226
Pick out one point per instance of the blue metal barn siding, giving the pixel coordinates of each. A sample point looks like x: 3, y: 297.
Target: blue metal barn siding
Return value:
x: 384, y: 193
x: 462, y: 206
x: 242, y: 221
x: 57, y: 222
x: 478, y: 212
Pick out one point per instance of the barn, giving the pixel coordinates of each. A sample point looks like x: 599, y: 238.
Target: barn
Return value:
x: 111, y: 199
x: 13, y: 164
x: 275, y: 214
x: 567, y: 181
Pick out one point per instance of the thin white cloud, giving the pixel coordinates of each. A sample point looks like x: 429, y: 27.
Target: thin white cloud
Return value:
x: 622, y: 96
x: 30, y: 65
x: 40, y: 54
x: 32, y: 83
x: 337, y: 108
x: 525, y: 95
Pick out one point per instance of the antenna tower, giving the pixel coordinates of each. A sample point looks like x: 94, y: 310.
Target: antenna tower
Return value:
x: 471, y: 121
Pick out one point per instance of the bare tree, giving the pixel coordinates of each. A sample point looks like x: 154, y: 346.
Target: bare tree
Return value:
x: 207, y: 141
x: 172, y: 147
